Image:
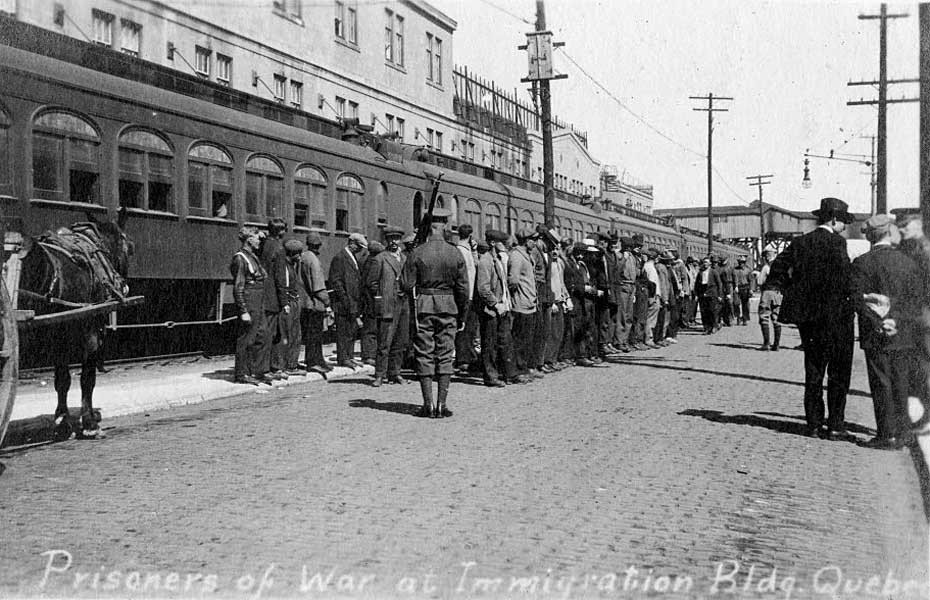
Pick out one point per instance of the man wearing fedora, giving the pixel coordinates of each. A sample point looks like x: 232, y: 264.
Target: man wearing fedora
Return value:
x: 814, y: 272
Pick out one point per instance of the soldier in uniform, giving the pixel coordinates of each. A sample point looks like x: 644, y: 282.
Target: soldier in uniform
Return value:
x: 435, y: 274
x: 769, y: 305
x: 249, y: 293
x: 389, y: 306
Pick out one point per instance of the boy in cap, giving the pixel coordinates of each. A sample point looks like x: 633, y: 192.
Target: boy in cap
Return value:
x: 890, y: 358
x: 390, y: 307
x: 345, y: 280
x: 435, y: 274
x: 314, y: 303
x: 814, y: 272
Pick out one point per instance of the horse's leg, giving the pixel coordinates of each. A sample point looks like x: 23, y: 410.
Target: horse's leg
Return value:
x: 62, y: 385
x: 89, y: 420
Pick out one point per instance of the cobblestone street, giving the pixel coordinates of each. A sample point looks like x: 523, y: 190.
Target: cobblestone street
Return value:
x: 679, y: 472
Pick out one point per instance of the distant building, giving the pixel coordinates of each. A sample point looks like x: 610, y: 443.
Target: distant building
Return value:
x: 625, y: 194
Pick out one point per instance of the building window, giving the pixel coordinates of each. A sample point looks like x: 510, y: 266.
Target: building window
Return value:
x: 429, y: 137
x: 471, y: 151
x: 389, y: 121
x: 297, y: 94
x: 352, y: 25
x: 339, y: 29
x: 340, y: 107
x: 309, y: 194
x: 400, y: 128
x: 210, y: 181
x: 264, y: 188
x: 280, y: 84
x: 353, y: 110
x: 346, y: 21
x: 146, y: 171
x: 4, y: 148
x: 433, y: 59
x: 350, y: 194
x: 439, y: 141
x: 473, y: 216
x: 103, y: 28
x: 65, y: 158
x: 131, y: 37
x: 202, y: 61
x: 394, y: 38
x: 381, y: 203
x: 288, y: 8
x: 223, y: 69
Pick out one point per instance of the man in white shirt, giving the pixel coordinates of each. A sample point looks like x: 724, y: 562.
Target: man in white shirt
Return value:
x: 655, y: 293
x: 465, y: 356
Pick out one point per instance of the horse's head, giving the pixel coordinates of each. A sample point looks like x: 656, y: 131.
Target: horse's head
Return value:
x: 117, y: 242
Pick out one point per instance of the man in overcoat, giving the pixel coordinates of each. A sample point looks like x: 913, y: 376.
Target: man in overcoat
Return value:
x: 389, y: 306
x: 814, y: 272
x: 314, y: 301
x: 494, y: 314
x: 345, y: 281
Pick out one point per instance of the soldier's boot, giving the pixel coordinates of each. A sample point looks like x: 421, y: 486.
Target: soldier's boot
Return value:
x: 426, y: 390
x: 442, y: 392
x: 777, y: 339
x: 765, y: 337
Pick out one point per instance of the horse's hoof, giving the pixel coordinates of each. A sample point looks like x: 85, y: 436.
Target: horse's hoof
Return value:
x: 62, y: 429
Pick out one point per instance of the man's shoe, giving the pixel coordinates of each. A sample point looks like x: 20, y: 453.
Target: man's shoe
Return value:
x: 349, y: 364
x: 547, y: 369
x: 812, y: 432
x: 495, y: 383
x: 880, y: 443
x: 296, y: 372
x: 535, y: 374
x: 444, y: 413
x: 247, y: 379
x: 625, y: 349
x: 279, y: 374
x: 671, y: 340
x: 520, y: 379
x: 369, y: 361
x: 651, y: 346
x: 397, y: 379
x: 765, y: 348
x: 267, y: 378
x: 584, y: 362
x: 774, y: 347
x: 376, y: 382
x: 836, y: 435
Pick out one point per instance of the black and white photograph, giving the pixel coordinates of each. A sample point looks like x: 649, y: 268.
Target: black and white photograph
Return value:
x: 464, y: 299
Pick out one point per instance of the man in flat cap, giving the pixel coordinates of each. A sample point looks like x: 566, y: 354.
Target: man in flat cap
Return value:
x: 314, y: 304
x: 368, y: 333
x: 814, y: 272
x: 276, y: 302
x: 249, y: 293
x: 654, y: 296
x: 888, y: 340
x: 708, y: 289
x: 435, y: 274
x: 345, y: 281
x: 389, y: 306
x: 290, y: 316
x: 495, y: 317
x: 637, y: 337
x: 742, y: 284
x: 570, y: 276
x: 583, y: 293
x: 628, y: 271
x: 521, y: 278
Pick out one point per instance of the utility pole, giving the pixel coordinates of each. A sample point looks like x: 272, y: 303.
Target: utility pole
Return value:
x: 710, y: 110
x: 539, y: 51
x: 872, y: 181
x: 881, y: 203
x: 924, y: 18
x: 759, y: 183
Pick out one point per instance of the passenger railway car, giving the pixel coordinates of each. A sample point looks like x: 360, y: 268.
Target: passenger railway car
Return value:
x: 86, y: 129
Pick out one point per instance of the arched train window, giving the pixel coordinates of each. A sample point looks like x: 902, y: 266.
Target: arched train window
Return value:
x: 264, y: 188
x: 473, y: 217
x: 492, y: 213
x: 309, y: 197
x: 146, y: 171
x: 210, y: 181
x: 65, y: 158
x: 381, y: 201
x: 350, y: 193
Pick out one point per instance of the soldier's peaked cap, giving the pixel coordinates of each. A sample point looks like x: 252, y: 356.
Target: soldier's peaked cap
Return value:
x: 393, y: 231
x: 441, y: 215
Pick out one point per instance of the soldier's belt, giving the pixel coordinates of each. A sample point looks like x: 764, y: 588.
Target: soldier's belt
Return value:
x: 434, y: 292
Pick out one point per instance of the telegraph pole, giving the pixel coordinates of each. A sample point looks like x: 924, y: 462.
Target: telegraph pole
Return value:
x: 924, y: 18
x: 872, y: 180
x: 710, y: 110
x: 759, y: 183
x: 881, y: 203
x: 539, y: 47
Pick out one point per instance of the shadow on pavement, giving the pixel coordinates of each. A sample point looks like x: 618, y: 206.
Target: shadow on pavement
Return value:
x: 756, y: 421
x: 219, y: 375
x: 923, y: 475
x: 394, y: 407
x: 852, y: 427
x: 852, y: 392
x: 356, y: 380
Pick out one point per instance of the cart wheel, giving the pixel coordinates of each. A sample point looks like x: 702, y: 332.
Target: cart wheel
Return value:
x: 9, y: 359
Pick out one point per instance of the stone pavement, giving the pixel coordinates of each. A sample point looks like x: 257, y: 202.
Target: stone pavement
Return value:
x: 675, y: 472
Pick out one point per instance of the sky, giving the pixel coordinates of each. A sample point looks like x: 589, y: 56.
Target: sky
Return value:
x: 785, y: 64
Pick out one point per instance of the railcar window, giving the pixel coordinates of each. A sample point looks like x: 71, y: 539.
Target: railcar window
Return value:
x: 350, y: 194
x: 4, y: 148
x: 64, y: 143
x: 527, y: 220
x: 492, y: 214
x: 512, y: 221
x: 417, y: 209
x: 381, y: 201
x: 210, y: 181
x: 146, y: 171
x: 264, y: 188
x: 309, y: 194
x: 473, y: 217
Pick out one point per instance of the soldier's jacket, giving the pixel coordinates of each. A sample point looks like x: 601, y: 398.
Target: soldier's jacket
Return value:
x: 436, y: 270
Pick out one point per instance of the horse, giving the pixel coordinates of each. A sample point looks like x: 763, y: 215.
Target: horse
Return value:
x: 70, y: 268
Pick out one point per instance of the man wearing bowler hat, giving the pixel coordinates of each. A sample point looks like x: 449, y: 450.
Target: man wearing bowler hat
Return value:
x: 435, y: 274
x: 814, y: 272
x: 389, y: 307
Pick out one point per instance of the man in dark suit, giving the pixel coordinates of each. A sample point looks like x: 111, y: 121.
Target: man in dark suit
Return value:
x: 344, y: 279
x: 814, y: 272
x: 494, y: 314
x: 389, y: 306
x: 435, y: 272
x: 889, y: 354
x: 709, y: 289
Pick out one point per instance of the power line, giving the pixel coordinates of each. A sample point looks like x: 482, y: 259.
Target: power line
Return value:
x: 507, y: 12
